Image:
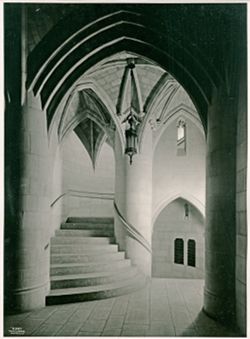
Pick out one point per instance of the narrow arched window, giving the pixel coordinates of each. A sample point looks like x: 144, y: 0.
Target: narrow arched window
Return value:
x: 181, y: 137
x: 186, y: 211
x: 191, y: 252
x: 179, y: 251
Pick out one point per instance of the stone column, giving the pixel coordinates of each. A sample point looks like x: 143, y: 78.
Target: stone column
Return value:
x: 219, y: 293
x: 26, y: 250
x: 241, y: 201
x: 29, y: 236
x: 133, y: 196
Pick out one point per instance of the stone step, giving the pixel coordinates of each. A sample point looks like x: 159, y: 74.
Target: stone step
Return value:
x: 96, y: 220
x: 69, y: 295
x: 85, y: 233
x: 86, y: 264
x: 64, y: 269
x: 86, y: 257
x: 91, y: 279
x: 81, y: 249
x: 61, y: 240
x: 86, y: 226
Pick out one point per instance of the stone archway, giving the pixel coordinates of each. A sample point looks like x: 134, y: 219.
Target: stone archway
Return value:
x: 183, y: 195
x: 207, y: 68
x: 53, y: 75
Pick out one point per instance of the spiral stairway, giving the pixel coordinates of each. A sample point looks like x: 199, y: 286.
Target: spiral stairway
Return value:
x: 86, y: 264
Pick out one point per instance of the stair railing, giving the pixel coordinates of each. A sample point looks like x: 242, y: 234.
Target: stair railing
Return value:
x: 132, y: 231
x: 84, y: 194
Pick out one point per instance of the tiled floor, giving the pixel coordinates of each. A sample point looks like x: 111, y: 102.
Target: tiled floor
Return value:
x: 166, y: 307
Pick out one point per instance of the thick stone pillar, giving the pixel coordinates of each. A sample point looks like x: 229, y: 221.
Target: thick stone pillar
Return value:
x: 241, y: 201
x: 26, y: 250
x: 28, y: 238
x: 219, y: 293
x: 133, y: 196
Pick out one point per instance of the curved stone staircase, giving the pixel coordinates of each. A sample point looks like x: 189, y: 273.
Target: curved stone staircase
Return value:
x: 86, y: 264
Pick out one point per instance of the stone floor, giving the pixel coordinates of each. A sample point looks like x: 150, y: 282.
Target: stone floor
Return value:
x: 166, y: 307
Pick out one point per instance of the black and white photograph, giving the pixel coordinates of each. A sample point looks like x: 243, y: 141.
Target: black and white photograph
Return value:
x: 125, y: 169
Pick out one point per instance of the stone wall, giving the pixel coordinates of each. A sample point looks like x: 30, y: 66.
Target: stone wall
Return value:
x: 179, y: 176
x: 84, y: 187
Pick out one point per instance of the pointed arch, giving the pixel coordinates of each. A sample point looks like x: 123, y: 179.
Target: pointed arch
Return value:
x: 165, y: 89
x: 183, y: 195
x: 177, y: 112
x: 54, y: 91
x: 57, y: 71
x: 156, y: 93
x: 90, y: 84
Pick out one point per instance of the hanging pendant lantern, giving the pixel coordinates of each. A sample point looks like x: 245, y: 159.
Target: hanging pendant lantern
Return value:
x: 133, y: 119
x: 131, y: 138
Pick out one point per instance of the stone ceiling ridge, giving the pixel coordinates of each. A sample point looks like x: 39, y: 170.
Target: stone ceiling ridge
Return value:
x: 129, y: 82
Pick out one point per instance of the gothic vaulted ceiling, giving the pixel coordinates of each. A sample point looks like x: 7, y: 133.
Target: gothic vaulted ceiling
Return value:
x: 107, y: 93
x: 76, y: 53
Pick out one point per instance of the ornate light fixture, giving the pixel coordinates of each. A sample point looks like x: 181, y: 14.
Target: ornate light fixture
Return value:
x: 132, y: 120
x: 131, y: 137
x: 134, y: 112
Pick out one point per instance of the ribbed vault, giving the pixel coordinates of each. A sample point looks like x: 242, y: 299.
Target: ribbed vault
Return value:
x: 92, y: 137
x: 104, y: 97
x: 56, y: 70
x: 86, y: 114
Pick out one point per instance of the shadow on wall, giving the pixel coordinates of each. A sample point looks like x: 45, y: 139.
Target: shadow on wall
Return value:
x: 178, y: 242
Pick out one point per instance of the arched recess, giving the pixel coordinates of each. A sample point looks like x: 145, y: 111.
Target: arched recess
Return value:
x: 180, y: 195
x: 178, y: 225
x: 103, y: 98
x: 104, y: 122
x: 180, y: 110
x: 52, y: 76
x: 98, y: 110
